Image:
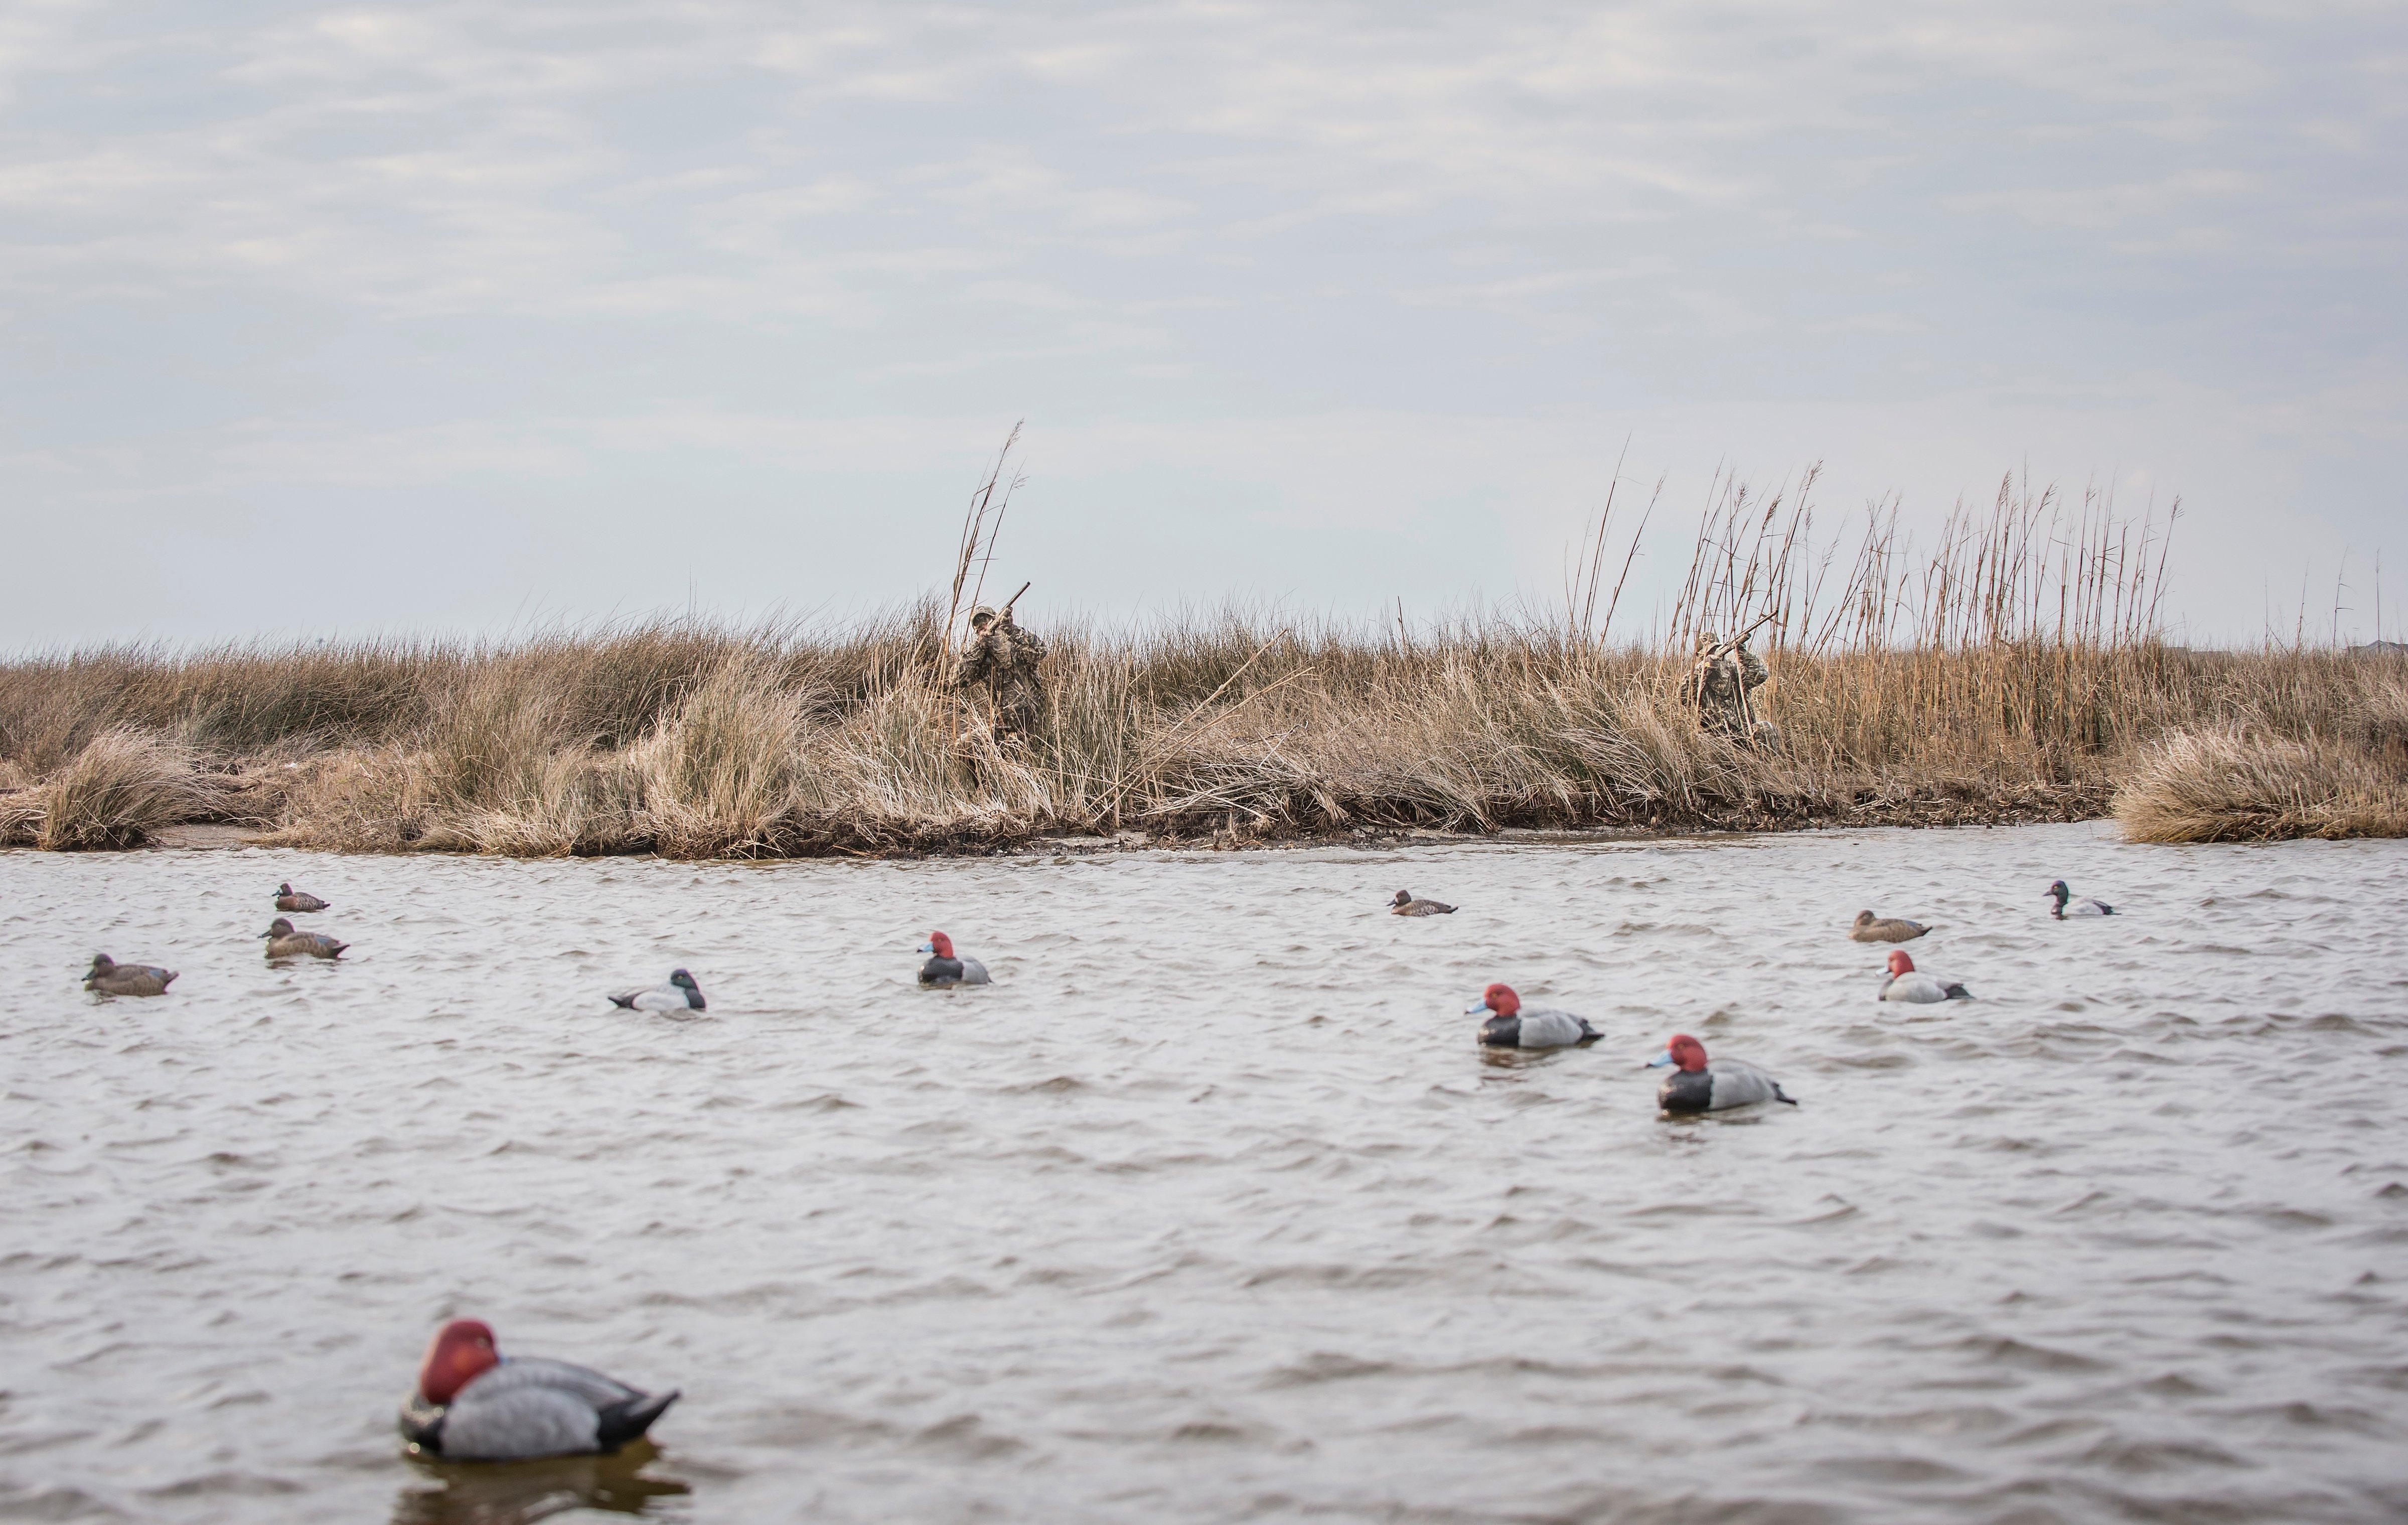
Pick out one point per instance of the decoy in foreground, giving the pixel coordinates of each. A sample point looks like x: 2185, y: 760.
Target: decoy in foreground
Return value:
x: 943, y: 969
x: 111, y: 978
x: 1906, y: 983
x: 1694, y: 1087
x: 681, y: 994
x: 1405, y: 905
x: 1871, y: 928
x: 299, y: 901
x: 2068, y: 906
x: 472, y: 1404
x: 1509, y: 1026
x: 284, y: 943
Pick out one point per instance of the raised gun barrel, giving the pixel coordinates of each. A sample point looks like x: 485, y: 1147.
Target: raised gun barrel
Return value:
x: 1725, y: 648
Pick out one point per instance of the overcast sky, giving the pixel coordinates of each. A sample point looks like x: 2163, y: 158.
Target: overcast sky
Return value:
x: 457, y: 317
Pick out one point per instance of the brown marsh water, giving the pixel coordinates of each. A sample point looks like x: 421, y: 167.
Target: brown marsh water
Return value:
x: 1211, y: 1209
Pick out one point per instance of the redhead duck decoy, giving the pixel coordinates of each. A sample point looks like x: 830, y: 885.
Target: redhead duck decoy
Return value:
x: 111, y: 978
x: 2068, y: 906
x: 1693, y: 1087
x: 1405, y: 905
x: 1509, y: 1026
x: 284, y: 943
x: 474, y: 1404
x: 1906, y: 983
x: 1871, y: 928
x: 298, y: 901
x: 943, y: 969
x: 680, y: 995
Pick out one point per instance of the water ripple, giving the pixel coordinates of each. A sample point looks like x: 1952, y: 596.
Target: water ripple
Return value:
x: 1210, y: 1209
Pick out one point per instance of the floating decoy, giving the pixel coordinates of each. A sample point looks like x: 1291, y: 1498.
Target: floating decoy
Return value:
x: 111, y: 978
x: 1509, y: 1026
x: 475, y: 1404
x: 299, y: 901
x: 1694, y: 1087
x: 681, y: 994
x: 1405, y: 905
x: 284, y: 943
x: 1871, y: 928
x: 943, y: 969
x: 2068, y: 906
x: 1906, y: 983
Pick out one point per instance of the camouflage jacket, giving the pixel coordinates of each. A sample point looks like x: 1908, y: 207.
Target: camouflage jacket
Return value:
x: 1718, y: 686
x: 1005, y: 656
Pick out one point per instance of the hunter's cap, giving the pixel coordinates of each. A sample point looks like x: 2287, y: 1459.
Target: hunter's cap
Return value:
x: 984, y: 611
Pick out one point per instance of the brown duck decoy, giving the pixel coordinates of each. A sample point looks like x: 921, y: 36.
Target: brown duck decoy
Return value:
x: 111, y: 978
x: 289, y: 899
x: 1871, y: 928
x: 1405, y: 905
x: 284, y: 943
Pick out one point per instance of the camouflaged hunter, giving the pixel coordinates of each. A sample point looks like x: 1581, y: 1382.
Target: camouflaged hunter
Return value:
x: 1721, y: 688
x: 1003, y: 656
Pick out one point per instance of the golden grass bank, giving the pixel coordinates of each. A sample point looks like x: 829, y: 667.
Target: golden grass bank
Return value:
x: 2015, y: 672
x: 690, y: 740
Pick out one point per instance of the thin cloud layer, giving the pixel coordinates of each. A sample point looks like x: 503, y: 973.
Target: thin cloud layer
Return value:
x: 1332, y: 303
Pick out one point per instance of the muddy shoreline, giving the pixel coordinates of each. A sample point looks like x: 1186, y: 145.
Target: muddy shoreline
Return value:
x: 2039, y: 807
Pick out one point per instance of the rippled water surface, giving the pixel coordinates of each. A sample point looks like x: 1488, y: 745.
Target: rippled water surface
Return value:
x: 1211, y: 1209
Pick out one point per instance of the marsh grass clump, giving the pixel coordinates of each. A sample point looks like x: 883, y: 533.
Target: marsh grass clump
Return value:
x: 2236, y: 784
x: 21, y: 809
x: 121, y: 789
x: 719, y: 777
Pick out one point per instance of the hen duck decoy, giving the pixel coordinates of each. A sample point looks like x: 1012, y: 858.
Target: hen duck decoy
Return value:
x: 681, y: 994
x: 2068, y: 906
x: 111, y: 978
x: 945, y: 968
x: 1694, y: 1087
x: 298, y: 901
x: 475, y: 1404
x: 1906, y: 982
x: 284, y: 943
x: 1871, y: 928
x: 1406, y: 906
x: 1509, y: 1026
